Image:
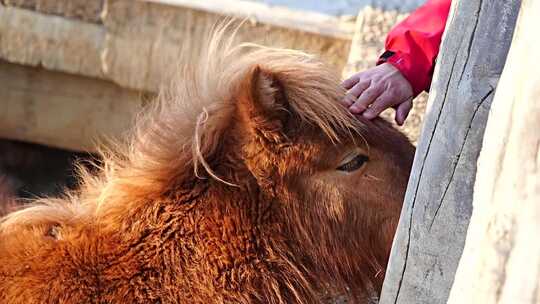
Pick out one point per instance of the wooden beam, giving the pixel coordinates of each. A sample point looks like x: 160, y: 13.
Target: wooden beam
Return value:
x: 136, y: 44
x: 63, y: 110
x: 438, y: 203
x: 311, y: 22
x: 55, y: 43
x: 86, y: 10
x: 501, y: 259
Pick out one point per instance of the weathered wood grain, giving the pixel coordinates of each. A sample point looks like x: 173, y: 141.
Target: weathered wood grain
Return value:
x: 136, y: 44
x: 438, y: 202
x: 86, y: 10
x: 62, y: 110
x: 307, y: 21
x: 146, y: 40
x: 53, y: 42
x: 501, y: 259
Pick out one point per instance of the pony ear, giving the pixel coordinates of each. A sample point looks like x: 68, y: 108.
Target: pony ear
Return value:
x: 263, y: 106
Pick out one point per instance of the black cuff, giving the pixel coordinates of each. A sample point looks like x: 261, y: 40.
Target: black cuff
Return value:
x: 384, y: 57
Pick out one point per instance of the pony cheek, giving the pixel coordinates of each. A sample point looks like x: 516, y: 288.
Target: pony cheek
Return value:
x: 366, y: 194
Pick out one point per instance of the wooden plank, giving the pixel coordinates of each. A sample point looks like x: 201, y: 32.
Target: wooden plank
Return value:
x: 86, y: 10
x: 62, y: 110
x: 53, y: 42
x: 139, y: 45
x: 164, y: 36
x: 310, y: 22
x: 501, y: 259
x: 306, y: 21
x: 438, y: 203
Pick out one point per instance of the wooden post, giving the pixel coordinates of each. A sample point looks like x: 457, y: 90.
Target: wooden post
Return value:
x: 438, y: 203
x: 501, y: 259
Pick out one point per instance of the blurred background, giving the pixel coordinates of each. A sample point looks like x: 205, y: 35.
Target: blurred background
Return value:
x: 73, y: 72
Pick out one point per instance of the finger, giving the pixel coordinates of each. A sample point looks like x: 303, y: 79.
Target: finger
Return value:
x: 349, y: 82
x: 359, y: 88
x: 366, y: 98
x: 348, y: 100
x: 402, y: 111
x: 354, y: 92
x: 383, y: 102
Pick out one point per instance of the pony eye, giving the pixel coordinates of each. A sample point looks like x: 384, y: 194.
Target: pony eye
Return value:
x: 353, y: 164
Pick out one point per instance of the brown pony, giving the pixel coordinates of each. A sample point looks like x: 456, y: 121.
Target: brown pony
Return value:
x: 249, y: 183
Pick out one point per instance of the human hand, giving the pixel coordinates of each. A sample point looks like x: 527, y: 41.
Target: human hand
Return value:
x: 372, y: 91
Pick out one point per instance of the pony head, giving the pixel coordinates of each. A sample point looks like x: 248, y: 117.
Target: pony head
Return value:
x: 283, y: 190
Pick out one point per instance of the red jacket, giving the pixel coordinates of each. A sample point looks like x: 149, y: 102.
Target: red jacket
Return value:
x: 413, y: 44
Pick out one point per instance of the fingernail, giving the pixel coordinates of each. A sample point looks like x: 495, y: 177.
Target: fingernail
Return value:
x: 354, y: 109
x: 368, y: 114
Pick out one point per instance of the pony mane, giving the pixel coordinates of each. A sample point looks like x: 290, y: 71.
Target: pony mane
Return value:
x: 175, y: 135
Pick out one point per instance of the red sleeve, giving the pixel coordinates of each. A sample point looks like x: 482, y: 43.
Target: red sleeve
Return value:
x: 415, y: 42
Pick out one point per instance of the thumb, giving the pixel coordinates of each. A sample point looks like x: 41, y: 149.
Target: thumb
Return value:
x: 402, y: 111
